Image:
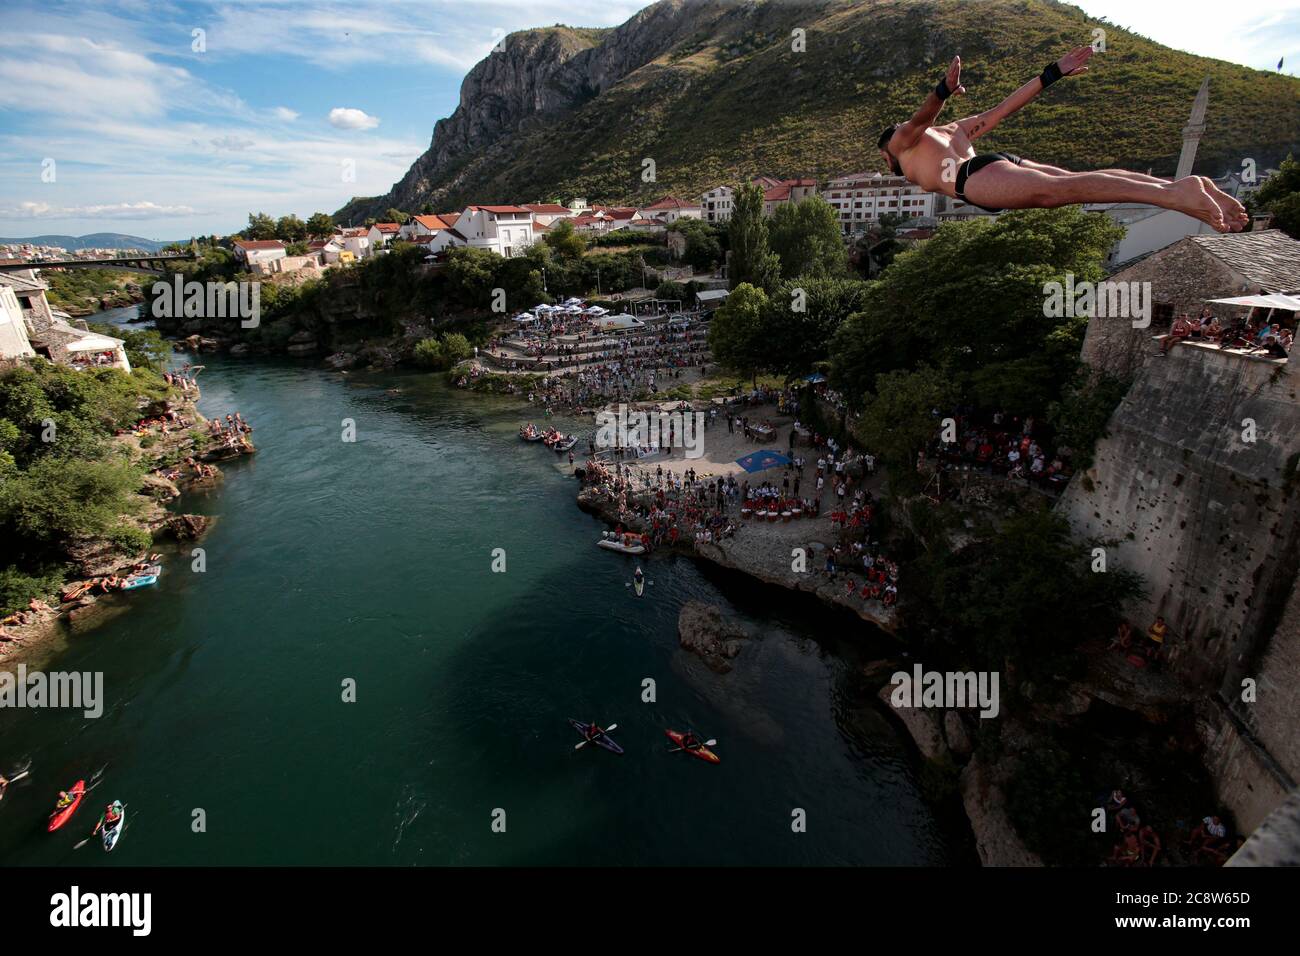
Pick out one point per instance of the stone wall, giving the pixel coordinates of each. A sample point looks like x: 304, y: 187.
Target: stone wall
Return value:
x: 1212, y: 523
x: 1182, y: 276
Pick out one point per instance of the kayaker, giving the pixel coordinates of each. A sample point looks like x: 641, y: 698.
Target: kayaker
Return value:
x: 110, y: 817
x: 690, y: 741
x: 593, y: 731
x: 65, y: 800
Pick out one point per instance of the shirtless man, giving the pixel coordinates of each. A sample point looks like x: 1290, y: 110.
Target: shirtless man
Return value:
x: 942, y: 159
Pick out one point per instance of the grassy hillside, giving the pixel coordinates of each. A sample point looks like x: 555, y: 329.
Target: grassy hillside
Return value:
x: 735, y: 100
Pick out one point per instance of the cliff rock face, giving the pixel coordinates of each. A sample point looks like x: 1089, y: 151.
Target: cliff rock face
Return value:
x: 535, y: 73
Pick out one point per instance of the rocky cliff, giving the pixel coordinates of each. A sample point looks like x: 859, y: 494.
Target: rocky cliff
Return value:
x: 717, y: 90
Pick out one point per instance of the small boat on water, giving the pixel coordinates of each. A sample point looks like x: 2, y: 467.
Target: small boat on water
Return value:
x: 623, y: 544
x: 142, y: 578
x: 530, y: 432
x: 564, y: 443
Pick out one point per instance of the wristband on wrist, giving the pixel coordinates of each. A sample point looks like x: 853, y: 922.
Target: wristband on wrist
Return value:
x: 942, y: 90
x: 1051, y: 73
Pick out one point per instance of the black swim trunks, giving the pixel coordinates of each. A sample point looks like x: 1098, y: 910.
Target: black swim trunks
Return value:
x: 972, y: 166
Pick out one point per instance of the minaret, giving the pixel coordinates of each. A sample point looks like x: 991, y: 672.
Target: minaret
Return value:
x: 1193, y: 130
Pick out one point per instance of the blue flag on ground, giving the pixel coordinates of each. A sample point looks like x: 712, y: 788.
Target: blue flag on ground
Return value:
x: 762, y: 460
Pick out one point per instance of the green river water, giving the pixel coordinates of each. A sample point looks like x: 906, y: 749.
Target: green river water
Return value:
x: 372, y: 561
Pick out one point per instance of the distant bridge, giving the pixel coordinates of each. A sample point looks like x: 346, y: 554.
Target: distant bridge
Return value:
x: 142, y: 263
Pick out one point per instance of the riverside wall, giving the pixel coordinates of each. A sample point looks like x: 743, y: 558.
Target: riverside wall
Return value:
x: 1196, y: 488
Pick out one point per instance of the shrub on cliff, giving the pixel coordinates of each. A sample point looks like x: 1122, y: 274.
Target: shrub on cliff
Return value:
x: 428, y: 354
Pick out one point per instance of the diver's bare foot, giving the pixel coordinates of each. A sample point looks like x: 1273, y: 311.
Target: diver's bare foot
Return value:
x: 1191, y: 198
x: 1234, y: 213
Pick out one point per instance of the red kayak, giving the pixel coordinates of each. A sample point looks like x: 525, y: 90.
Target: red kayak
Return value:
x: 60, y: 817
x: 703, y: 752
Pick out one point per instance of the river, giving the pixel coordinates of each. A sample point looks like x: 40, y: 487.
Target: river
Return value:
x: 371, y: 561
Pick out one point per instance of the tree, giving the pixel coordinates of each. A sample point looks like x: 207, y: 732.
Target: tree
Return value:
x: 396, y: 215
x: 456, y: 348
x: 903, y: 416
x: 802, y: 319
x: 736, y: 330
x: 1280, y: 195
x: 971, y: 302
x: 565, y: 241
x: 806, y: 237
x: 260, y: 226
x: 471, y: 276
x: 290, y: 229
x: 752, y: 261
x: 320, y: 225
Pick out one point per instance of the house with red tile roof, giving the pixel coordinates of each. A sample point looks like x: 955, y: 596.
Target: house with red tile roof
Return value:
x: 257, y: 254
x: 669, y: 209
x: 548, y: 213
x: 382, y: 233
x: 505, y: 230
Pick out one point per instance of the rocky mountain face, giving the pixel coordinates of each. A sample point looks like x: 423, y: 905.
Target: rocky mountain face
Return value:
x: 719, y: 90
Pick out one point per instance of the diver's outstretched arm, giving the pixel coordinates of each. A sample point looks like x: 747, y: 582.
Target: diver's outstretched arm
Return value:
x: 1073, y: 63
x: 908, y: 133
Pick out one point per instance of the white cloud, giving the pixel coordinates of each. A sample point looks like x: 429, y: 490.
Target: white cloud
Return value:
x: 284, y: 113
x: 233, y: 143
x: 121, y: 210
x: 343, y: 117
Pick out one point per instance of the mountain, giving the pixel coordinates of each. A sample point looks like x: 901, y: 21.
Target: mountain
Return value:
x: 96, y: 240
x: 712, y: 91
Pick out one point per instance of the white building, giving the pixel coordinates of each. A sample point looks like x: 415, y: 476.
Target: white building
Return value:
x: 862, y: 198
x: 716, y: 204
x: 14, y: 343
x: 257, y: 253
x: 669, y: 209
x: 778, y: 192
x: 382, y: 233
x: 548, y: 213
x: 505, y: 230
x: 356, y: 241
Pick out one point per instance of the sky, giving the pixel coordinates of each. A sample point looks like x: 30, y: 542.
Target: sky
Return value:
x: 171, y: 118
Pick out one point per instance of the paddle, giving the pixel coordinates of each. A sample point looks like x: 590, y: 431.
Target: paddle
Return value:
x: 605, y: 731
x: 94, y: 832
x: 707, y: 743
x: 18, y: 776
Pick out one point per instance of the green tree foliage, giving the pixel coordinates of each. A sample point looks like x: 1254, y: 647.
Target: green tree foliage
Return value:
x: 806, y: 237
x: 61, y: 478
x: 396, y: 215
x: 260, y: 226
x: 145, y: 348
x: 902, y: 417
x: 703, y: 246
x: 801, y: 319
x: 1081, y: 415
x: 319, y: 226
x: 471, y: 276
x: 752, y: 260
x: 736, y: 330
x: 1280, y: 195
x: 565, y: 241
x: 290, y: 229
x: 970, y: 302
x: 1025, y: 594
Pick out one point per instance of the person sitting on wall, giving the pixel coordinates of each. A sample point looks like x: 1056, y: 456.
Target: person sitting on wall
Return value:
x: 1180, y: 330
